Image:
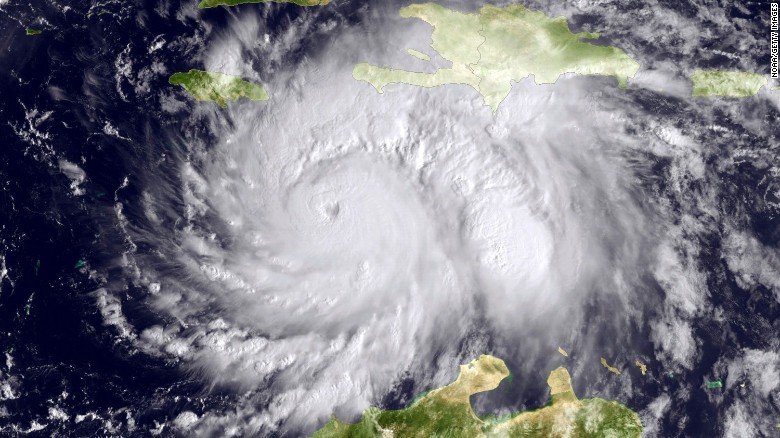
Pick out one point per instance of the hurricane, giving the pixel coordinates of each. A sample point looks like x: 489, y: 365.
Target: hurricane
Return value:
x: 274, y: 264
x: 363, y: 244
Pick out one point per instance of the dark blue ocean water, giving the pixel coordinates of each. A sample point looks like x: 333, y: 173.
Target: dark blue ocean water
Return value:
x: 62, y: 85
x: 58, y: 90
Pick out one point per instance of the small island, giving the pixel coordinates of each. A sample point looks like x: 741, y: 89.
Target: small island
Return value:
x: 498, y: 45
x: 447, y: 412
x: 609, y: 367
x: 418, y: 54
x: 31, y: 31
x: 708, y: 83
x: 204, y: 4
x: 207, y: 86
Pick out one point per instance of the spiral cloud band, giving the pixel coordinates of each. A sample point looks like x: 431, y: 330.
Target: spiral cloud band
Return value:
x: 383, y: 240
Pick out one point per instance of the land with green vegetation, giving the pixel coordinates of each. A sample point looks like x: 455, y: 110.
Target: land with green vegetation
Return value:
x: 726, y: 83
x: 447, y: 412
x: 209, y: 86
x: 490, y: 49
x: 214, y: 3
x: 609, y: 367
x: 418, y: 54
x: 642, y: 367
x: 31, y: 31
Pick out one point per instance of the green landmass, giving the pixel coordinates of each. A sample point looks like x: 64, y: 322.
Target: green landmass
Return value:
x: 31, y: 31
x: 715, y: 384
x: 642, y: 367
x: 214, y: 3
x: 498, y: 45
x: 726, y: 83
x: 418, y: 54
x: 610, y: 368
x: 209, y: 86
x: 447, y: 412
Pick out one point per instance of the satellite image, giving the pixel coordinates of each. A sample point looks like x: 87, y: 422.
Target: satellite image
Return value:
x: 384, y: 218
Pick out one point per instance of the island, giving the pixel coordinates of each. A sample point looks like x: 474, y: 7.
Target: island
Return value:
x: 31, y: 31
x: 418, y: 54
x: 209, y: 86
x: 642, y: 367
x: 609, y: 367
x: 447, y: 412
x: 204, y: 4
x: 708, y: 83
x: 490, y: 49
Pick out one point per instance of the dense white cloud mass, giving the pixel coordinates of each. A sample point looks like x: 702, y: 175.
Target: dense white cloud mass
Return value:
x: 334, y: 240
x: 760, y: 368
x: 753, y: 263
x: 651, y: 416
x: 373, y: 236
x: 171, y: 266
x: 739, y: 424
